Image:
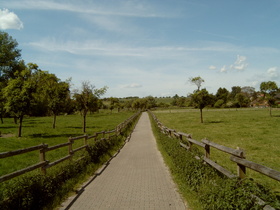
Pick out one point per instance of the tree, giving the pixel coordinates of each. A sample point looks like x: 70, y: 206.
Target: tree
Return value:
x: 150, y: 102
x: 201, y: 98
x: 242, y: 100
x: 114, y: 103
x: 221, y: 96
x: 234, y: 91
x: 197, y: 81
x: 87, y: 99
x: 269, y: 90
x: 19, y: 94
x: 9, y: 56
x: 55, y: 93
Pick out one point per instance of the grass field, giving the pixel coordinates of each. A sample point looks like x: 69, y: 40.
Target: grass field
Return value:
x: 38, y: 130
x: 250, y: 129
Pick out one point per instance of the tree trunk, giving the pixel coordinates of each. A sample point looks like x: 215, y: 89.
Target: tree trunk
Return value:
x: 15, y: 120
x: 2, y: 119
x: 84, y: 126
x: 54, y: 121
x: 20, y: 126
x: 201, y: 117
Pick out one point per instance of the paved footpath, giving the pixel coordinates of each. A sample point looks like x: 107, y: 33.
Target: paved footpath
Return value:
x: 136, y: 178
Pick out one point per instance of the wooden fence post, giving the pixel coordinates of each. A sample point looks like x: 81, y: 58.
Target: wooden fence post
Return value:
x: 86, y: 139
x: 241, y: 170
x: 207, y: 150
x: 70, y: 150
x: 43, y: 158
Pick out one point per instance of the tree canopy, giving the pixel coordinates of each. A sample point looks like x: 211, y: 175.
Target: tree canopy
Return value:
x: 10, y: 56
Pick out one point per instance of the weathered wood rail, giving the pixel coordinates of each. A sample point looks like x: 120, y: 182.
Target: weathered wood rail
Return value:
x: 44, y: 148
x: 237, y: 156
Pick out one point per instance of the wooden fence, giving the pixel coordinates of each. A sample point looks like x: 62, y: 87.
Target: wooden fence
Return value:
x: 44, y: 148
x: 237, y: 156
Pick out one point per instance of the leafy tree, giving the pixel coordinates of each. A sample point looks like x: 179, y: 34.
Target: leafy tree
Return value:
x: 19, y: 94
x: 114, y: 103
x: 197, y: 81
x: 87, y: 99
x: 54, y: 92
x: 234, y: 91
x: 9, y: 56
x: 242, y: 100
x: 150, y: 102
x: 222, y: 94
x: 201, y: 98
x: 269, y: 90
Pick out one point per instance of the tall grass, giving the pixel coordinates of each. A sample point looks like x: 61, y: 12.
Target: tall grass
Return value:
x: 250, y: 129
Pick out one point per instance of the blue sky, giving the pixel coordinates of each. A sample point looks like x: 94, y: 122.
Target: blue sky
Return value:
x: 149, y: 47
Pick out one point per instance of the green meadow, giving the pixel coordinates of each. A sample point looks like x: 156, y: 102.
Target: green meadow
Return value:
x: 250, y: 129
x: 38, y: 130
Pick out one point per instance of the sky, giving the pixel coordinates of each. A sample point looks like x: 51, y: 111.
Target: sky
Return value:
x: 149, y: 47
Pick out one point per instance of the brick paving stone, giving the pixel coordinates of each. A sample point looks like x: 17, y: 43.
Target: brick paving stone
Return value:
x: 136, y: 178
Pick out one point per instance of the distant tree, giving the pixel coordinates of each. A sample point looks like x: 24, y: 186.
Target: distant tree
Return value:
x: 221, y: 96
x: 114, y: 103
x: 128, y: 104
x: 242, y: 100
x: 201, y: 99
x: 197, y: 81
x: 234, y: 91
x: 87, y: 99
x: 150, y: 102
x: 269, y: 90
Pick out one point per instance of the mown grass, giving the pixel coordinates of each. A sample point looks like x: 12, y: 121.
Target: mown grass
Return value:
x: 38, y: 130
x: 250, y: 129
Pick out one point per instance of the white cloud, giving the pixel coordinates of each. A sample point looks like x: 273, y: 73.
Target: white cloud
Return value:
x: 9, y: 20
x: 240, y: 63
x: 272, y: 72
x: 212, y: 67
x: 223, y: 69
x: 133, y: 85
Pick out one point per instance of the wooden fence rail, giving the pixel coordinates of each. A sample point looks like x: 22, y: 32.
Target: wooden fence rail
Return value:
x: 44, y: 148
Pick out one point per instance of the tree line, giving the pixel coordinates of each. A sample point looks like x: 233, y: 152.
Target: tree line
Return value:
x: 269, y: 95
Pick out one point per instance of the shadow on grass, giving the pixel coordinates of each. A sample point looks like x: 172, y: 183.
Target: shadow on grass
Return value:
x: 75, y: 127
x: 214, y: 122
x: 46, y: 136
